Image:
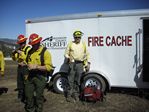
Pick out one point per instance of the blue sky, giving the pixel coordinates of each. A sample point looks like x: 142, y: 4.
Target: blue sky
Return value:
x: 13, y: 13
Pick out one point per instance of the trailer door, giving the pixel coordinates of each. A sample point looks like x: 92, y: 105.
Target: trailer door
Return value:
x: 146, y: 50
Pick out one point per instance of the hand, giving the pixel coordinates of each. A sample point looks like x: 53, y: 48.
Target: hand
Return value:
x: 25, y: 77
x: 20, y: 52
x: 14, y: 51
x: 67, y: 60
x: 32, y: 66
x: 87, y: 68
x: 2, y: 73
x: 22, y: 63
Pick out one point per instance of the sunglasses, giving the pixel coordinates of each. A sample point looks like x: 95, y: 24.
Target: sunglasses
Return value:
x: 77, y: 37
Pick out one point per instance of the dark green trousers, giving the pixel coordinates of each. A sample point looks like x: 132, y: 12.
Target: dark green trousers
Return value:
x: 21, y: 72
x: 75, y: 73
x: 34, y: 88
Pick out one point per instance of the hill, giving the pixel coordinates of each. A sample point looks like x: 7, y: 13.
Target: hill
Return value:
x: 11, y: 41
x: 7, y: 45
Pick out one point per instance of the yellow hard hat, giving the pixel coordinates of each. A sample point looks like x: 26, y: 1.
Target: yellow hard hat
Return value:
x: 77, y: 34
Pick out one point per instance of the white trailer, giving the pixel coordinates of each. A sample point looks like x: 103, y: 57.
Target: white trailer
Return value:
x: 118, y: 42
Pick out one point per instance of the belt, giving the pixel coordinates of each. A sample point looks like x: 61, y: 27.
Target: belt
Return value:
x: 37, y: 72
x: 78, y: 61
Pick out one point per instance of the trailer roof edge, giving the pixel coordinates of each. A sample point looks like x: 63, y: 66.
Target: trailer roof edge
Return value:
x: 118, y: 13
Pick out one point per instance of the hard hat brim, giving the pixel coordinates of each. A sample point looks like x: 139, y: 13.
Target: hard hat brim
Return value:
x: 19, y: 42
x: 35, y: 42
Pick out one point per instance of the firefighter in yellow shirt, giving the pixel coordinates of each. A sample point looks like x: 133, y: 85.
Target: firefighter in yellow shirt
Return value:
x: 2, y: 64
x: 36, y: 82
x: 77, y: 56
x: 19, y: 55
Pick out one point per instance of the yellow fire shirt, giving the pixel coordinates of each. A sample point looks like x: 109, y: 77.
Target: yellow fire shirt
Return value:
x: 2, y: 62
x: 77, y: 51
x: 21, y: 57
x: 35, y: 58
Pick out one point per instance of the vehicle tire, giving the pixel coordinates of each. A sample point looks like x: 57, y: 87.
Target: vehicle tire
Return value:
x: 94, y: 80
x: 60, y: 83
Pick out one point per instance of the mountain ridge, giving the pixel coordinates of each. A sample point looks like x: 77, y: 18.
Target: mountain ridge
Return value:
x: 7, y: 45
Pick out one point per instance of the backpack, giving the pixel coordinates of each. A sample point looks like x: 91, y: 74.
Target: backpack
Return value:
x: 91, y: 94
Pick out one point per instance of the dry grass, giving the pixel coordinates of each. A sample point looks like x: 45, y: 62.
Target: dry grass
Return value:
x: 115, y: 102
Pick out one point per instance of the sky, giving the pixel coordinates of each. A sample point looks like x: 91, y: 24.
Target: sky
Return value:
x: 13, y: 13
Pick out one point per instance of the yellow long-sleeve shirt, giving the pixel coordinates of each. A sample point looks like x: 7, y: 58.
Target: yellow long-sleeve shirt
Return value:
x: 2, y: 62
x: 77, y: 52
x: 35, y: 58
x: 21, y: 57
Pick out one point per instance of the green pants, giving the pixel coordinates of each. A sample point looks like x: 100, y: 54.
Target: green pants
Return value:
x: 21, y: 72
x: 34, y: 88
x: 75, y: 73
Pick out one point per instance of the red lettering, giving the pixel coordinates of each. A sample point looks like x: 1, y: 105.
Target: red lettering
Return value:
x: 110, y: 41
x: 124, y: 40
x: 107, y: 41
x: 118, y: 41
x: 129, y: 40
x: 89, y: 40
x: 96, y: 41
x: 113, y: 41
x: 101, y: 41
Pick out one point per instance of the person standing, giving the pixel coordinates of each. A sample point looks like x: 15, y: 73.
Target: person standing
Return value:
x: 19, y: 55
x: 36, y: 82
x: 2, y: 64
x: 77, y: 57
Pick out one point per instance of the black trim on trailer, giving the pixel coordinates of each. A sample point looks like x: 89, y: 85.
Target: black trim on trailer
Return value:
x: 146, y: 49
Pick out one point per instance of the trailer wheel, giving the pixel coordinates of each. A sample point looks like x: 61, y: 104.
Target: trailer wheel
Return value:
x: 94, y: 80
x: 60, y: 83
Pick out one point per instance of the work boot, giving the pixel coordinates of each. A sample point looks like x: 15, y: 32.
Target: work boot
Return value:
x: 19, y: 96
x: 23, y: 99
x: 16, y: 89
x: 44, y: 99
x: 70, y: 99
x: 76, y: 97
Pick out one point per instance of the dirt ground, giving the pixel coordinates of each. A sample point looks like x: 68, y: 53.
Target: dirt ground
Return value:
x: 115, y: 101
